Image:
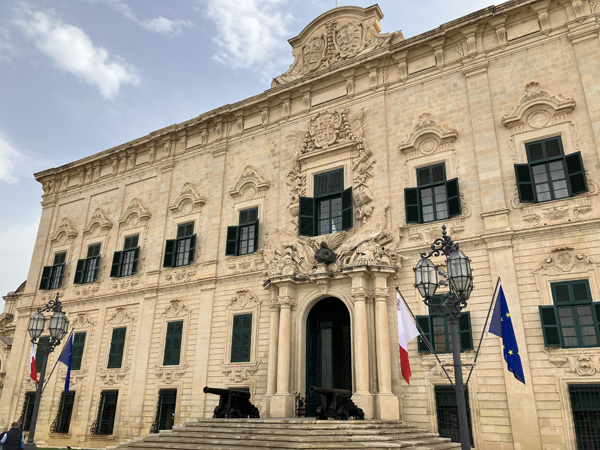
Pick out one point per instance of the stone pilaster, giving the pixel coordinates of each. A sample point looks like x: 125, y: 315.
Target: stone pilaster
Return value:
x: 273, y: 348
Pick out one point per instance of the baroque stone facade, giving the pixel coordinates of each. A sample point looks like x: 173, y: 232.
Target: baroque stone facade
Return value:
x: 469, y: 95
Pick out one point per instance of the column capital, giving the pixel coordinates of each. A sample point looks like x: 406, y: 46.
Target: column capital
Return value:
x: 286, y: 302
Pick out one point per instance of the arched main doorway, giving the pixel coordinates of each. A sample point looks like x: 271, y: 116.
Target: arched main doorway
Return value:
x: 328, y: 350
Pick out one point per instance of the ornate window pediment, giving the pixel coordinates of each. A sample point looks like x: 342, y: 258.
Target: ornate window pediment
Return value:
x: 135, y: 214
x: 99, y: 224
x: 537, y: 107
x: 65, y: 233
x: 119, y: 316
x: 187, y: 200
x: 428, y: 137
x: 250, y: 185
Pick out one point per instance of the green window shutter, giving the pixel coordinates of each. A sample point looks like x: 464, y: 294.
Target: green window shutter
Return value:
x: 117, y: 345
x: 576, y: 173
x: 173, y: 344
x: 79, y: 271
x: 256, y: 235
x: 169, y: 260
x: 596, y: 308
x: 77, y: 354
x: 321, y: 185
x: 241, y: 338
x: 550, y: 326
x: 96, y: 268
x: 453, y: 197
x: 46, y: 274
x: 347, y: 209
x: 134, y: 263
x: 115, y: 270
x: 525, y: 183
x: 424, y: 323
x: 231, y: 247
x: 412, y: 205
x: 307, y: 216
x: 465, y: 333
x: 192, y: 252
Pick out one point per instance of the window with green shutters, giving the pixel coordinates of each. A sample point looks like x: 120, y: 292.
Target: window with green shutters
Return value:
x: 435, y: 328
x: 77, y: 353
x: 125, y: 262
x: 243, y: 239
x: 38, y: 352
x: 87, y: 269
x: 330, y: 210
x: 117, y: 346
x: 573, y: 321
x: 173, y: 344
x: 241, y: 338
x: 434, y: 198
x: 52, y: 275
x: 549, y: 174
x: 182, y: 250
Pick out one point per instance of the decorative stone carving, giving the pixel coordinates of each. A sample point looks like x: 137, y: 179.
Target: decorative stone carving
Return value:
x: 246, y: 264
x: 65, y: 233
x: 239, y: 372
x: 125, y: 284
x: 111, y: 377
x: 170, y: 374
x: 187, y: 200
x: 86, y: 290
x: 324, y: 255
x: 135, y: 214
x: 584, y: 365
x: 422, y: 234
x: 76, y: 378
x: 334, y: 37
x: 536, y: 107
x: 99, y: 224
x: 571, y: 209
x: 119, y: 316
x: 81, y: 320
x: 250, y: 185
x: 181, y: 274
x: 376, y: 249
x: 329, y: 128
x: 243, y: 299
x: 175, y: 309
x: 296, y: 180
x: 582, y: 362
x: 565, y: 259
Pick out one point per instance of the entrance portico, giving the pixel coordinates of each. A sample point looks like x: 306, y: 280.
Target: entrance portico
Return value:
x: 365, y: 293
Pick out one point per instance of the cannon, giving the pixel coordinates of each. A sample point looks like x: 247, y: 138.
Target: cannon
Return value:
x: 337, y: 404
x: 233, y: 404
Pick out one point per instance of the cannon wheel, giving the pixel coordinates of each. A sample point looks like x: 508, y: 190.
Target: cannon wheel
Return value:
x: 236, y: 413
x: 255, y: 414
x: 343, y: 413
x: 360, y: 414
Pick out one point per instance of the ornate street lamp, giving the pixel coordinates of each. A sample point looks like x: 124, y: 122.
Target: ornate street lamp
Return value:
x: 58, y: 327
x: 460, y: 282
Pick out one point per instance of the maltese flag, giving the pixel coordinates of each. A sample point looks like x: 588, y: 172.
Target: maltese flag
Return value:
x: 407, y: 331
x: 32, y: 368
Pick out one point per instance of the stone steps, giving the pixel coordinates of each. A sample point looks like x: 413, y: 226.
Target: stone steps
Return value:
x: 263, y: 434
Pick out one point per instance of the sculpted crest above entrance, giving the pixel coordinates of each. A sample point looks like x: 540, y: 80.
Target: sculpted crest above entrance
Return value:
x: 334, y: 37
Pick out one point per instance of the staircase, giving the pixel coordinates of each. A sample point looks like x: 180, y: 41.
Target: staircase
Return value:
x: 263, y: 434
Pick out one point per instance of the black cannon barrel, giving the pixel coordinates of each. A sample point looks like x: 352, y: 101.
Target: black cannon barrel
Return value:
x: 326, y: 391
x: 235, y: 392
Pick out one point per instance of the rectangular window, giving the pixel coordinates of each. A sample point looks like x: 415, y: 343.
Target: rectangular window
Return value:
x: 117, y: 345
x: 549, y: 174
x: 330, y: 210
x: 447, y: 413
x: 65, y: 411
x: 241, y: 338
x: 165, y: 412
x: 572, y: 322
x: 52, y: 275
x: 27, y: 413
x: 585, y: 405
x: 125, y: 262
x: 434, y: 198
x: 181, y: 251
x: 77, y: 353
x: 436, y: 329
x: 107, y: 410
x: 243, y: 239
x: 173, y: 344
x: 42, y: 341
x: 87, y: 269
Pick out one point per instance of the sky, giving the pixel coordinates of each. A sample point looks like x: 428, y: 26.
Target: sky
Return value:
x: 80, y: 76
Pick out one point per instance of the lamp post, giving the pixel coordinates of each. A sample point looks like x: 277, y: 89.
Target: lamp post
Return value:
x: 460, y: 282
x: 58, y: 327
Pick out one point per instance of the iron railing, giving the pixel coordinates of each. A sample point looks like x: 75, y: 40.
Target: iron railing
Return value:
x: 447, y: 413
x: 585, y: 404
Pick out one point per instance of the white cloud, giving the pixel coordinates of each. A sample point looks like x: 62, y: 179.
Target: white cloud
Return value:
x: 73, y: 51
x: 159, y: 25
x: 250, y: 33
x: 11, y: 161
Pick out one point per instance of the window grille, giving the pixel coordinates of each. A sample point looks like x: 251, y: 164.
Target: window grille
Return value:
x: 27, y: 412
x: 585, y: 405
x: 65, y: 410
x: 107, y: 409
x: 165, y: 410
x: 447, y: 413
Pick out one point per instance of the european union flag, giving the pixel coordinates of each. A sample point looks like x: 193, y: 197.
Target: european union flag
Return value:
x: 502, y: 326
x: 65, y: 358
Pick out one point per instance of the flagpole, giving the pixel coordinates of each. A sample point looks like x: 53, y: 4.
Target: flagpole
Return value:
x: 63, y: 349
x: 484, y: 330
x: 427, y: 343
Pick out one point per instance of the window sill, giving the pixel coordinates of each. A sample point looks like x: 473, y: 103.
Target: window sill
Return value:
x: 102, y: 437
x: 563, y: 210
x: 581, y: 361
x: 423, y: 233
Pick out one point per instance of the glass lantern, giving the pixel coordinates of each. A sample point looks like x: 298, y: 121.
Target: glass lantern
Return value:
x: 459, y: 273
x: 59, y: 325
x: 36, y: 325
x: 426, y: 278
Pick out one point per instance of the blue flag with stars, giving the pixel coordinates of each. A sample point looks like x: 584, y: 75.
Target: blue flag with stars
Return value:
x: 502, y: 327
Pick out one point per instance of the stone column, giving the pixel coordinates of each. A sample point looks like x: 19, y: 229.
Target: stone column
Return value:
x: 360, y: 339
x: 282, y: 403
x: 273, y: 348
x: 387, y: 403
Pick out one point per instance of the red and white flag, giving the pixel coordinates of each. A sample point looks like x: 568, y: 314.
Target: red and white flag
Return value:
x: 407, y: 331
x: 32, y: 368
